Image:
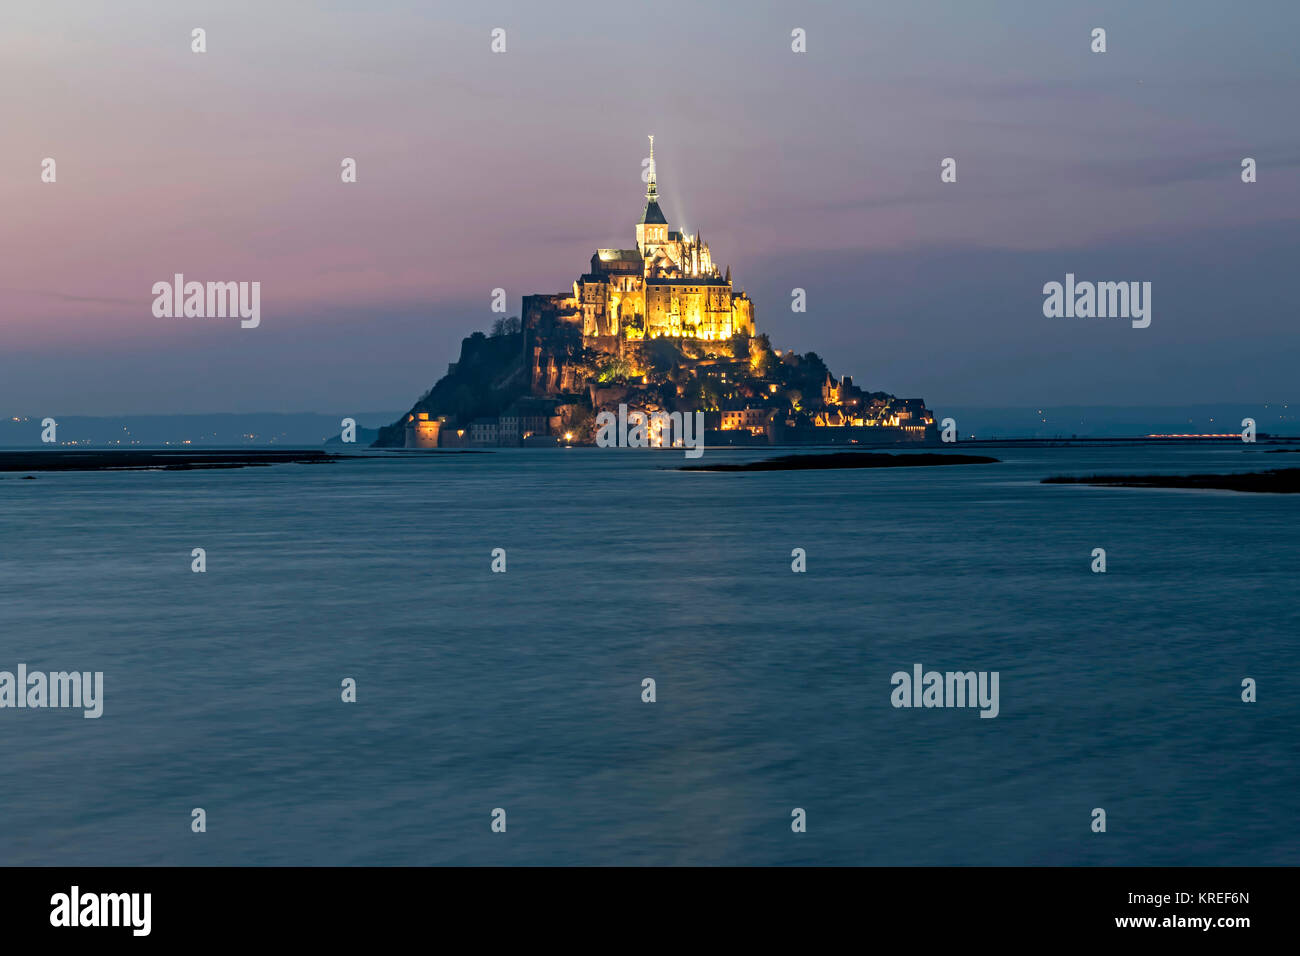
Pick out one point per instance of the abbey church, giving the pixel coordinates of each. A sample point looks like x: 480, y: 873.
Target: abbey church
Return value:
x: 666, y: 286
x: 653, y: 328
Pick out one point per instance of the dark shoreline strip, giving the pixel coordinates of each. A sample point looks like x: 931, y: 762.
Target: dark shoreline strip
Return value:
x: 1278, y: 481
x: 846, y: 459
x: 161, y: 460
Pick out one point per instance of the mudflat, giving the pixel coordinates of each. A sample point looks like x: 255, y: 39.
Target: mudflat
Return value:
x: 1275, y: 481
x: 847, y: 459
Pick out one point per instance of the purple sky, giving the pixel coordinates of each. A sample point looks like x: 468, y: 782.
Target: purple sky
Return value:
x: 479, y: 170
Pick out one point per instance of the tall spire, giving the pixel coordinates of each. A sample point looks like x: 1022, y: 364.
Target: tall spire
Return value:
x: 652, y: 215
x: 651, y: 192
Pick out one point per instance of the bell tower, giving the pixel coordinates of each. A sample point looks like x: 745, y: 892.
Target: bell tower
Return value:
x: 652, y: 230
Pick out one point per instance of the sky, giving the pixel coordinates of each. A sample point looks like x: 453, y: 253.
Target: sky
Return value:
x: 479, y: 170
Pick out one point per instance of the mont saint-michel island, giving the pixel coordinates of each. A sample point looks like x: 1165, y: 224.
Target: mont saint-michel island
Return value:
x: 651, y: 330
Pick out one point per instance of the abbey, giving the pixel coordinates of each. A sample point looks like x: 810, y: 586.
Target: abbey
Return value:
x: 656, y: 331
x: 667, y: 285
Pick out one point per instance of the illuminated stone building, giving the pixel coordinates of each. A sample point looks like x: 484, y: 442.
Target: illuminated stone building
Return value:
x: 667, y: 285
x: 422, y: 430
x: 599, y: 339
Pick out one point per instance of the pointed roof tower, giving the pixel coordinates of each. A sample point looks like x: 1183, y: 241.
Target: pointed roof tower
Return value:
x: 652, y: 214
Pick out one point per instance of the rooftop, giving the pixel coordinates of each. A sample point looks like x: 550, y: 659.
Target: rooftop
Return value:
x: 653, y: 215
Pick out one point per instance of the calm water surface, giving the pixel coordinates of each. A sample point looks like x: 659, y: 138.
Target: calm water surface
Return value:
x: 523, y: 690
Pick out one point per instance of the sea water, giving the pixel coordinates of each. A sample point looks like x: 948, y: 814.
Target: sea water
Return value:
x: 523, y: 690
